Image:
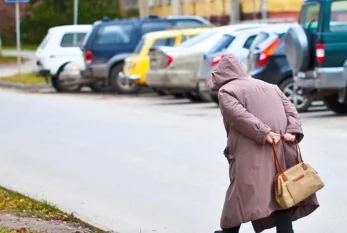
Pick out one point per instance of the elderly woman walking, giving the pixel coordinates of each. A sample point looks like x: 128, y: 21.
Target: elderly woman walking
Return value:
x: 254, y: 115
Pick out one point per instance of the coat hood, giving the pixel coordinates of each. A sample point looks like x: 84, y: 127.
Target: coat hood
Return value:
x: 228, y: 69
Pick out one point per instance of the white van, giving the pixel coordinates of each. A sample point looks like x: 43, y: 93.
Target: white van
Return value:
x: 59, y: 56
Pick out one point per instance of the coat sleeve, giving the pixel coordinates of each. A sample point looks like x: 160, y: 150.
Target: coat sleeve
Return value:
x: 294, y: 124
x: 240, y: 119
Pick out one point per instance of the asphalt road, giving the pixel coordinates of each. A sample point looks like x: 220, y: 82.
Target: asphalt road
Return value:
x: 146, y: 164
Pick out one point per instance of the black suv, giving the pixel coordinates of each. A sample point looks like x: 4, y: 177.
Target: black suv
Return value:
x: 111, y: 41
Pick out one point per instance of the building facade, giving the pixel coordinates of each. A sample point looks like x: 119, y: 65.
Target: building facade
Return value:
x: 218, y: 11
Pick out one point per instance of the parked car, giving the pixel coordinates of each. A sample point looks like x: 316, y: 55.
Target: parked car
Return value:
x: 176, y: 70
x: 137, y: 64
x: 268, y: 62
x: 60, y: 47
x: 236, y: 43
x: 112, y: 41
x: 316, y: 50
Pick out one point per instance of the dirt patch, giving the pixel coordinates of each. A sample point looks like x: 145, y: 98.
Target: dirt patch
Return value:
x: 20, y: 212
x: 26, y: 224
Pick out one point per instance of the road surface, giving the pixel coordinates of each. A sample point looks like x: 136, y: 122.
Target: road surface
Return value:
x: 146, y: 164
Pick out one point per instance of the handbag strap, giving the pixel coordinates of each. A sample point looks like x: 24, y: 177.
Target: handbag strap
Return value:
x: 276, y: 159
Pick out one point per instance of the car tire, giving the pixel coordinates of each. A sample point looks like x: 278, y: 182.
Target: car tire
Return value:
x: 215, y: 99
x: 100, y: 87
x: 287, y: 87
x: 193, y: 97
x: 60, y: 87
x: 335, y: 106
x: 122, y: 86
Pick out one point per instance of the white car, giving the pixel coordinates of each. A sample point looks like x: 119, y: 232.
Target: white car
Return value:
x: 59, y: 56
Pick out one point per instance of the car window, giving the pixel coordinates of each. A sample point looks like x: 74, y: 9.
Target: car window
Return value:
x: 199, y: 38
x: 184, y: 38
x: 164, y: 42
x: 155, y: 26
x: 139, y: 46
x: 208, y: 43
x: 179, y: 24
x: 72, y: 39
x: 338, y: 16
x: 262, y: 36
x: 113, y: 35
x: 249, y: 42
x: 45, y: 41
x: 309, y: 16
x: 221, y: 44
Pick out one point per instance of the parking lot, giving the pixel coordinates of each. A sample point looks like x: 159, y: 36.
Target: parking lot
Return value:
x: 145, y: 163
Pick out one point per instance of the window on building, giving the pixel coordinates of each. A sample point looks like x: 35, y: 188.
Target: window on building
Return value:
x: 134, y: 4
x: 72, y: 39
x: 160, y: 2
x: 151, y: 3
x: 338, y: 16
x: 169, y: 2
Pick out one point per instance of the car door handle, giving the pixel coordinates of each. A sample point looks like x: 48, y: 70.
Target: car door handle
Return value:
x: 52, y: 56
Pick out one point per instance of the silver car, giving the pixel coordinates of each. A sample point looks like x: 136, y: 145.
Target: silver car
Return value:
x: 236, y: 43
x: 176, y: 70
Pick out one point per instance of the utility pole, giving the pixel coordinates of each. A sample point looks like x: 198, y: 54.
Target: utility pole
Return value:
x: 176, y: 7
x: 143, y: 8
x: 75, y: 15
x: 234, y: 11
x: 264, y: 10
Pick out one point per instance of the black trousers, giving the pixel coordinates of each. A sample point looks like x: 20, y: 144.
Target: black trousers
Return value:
x: 283, y: 223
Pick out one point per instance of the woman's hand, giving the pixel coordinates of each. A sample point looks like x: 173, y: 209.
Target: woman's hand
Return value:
x: 271, y: 136
x: 288, y: 137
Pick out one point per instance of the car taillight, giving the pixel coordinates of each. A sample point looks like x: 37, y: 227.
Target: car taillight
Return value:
x: 320, y: 52
x: 267, y: 52
x: 217, y: 59
x: 169, y: 59
x: 88, y: 56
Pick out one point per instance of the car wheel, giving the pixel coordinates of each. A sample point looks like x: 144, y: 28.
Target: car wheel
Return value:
x: 122, y: 86
x: 193, y: 97
x: 303, y: 102
x: 215, y: 99
x: 60, y: 86
x: 335, y: 106
x: 101, y: 86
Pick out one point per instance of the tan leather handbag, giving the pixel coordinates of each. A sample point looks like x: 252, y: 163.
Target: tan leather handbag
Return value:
x: 296, y: 183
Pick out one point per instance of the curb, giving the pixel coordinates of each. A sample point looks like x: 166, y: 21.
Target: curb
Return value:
x: 24, y: 87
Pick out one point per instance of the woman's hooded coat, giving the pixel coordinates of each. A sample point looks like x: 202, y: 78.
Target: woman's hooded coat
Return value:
x: 252, y: 108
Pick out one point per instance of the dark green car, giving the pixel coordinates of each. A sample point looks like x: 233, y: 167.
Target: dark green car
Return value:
x: 316, y: 50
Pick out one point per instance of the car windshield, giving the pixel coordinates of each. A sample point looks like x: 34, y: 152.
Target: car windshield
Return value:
x: 45, y: 41
x: 197, y: 39
x: 139, y: 46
